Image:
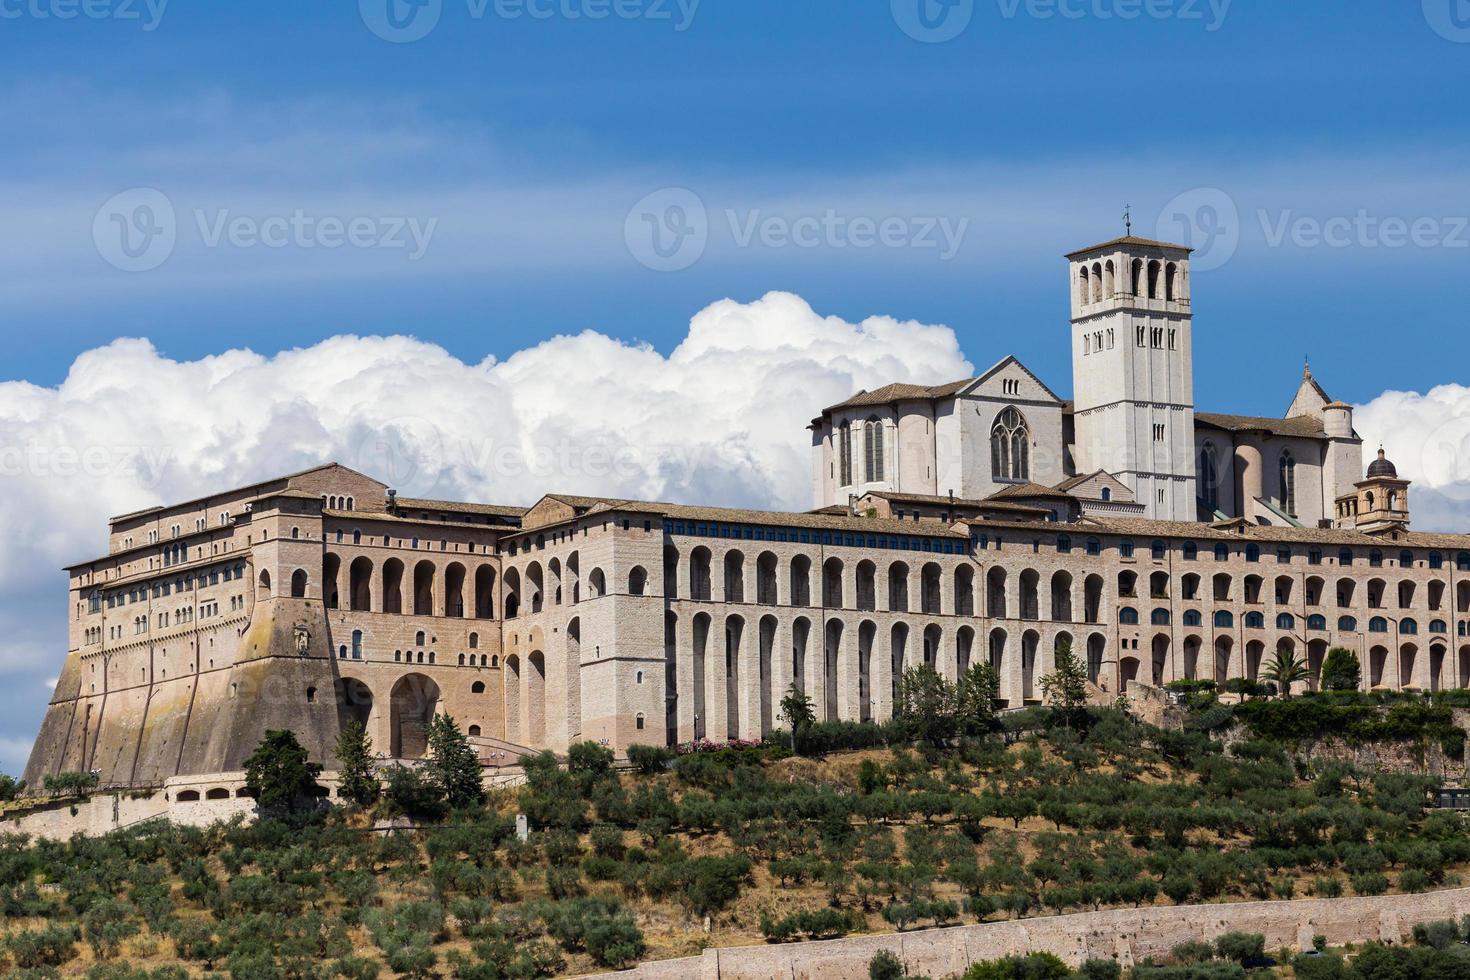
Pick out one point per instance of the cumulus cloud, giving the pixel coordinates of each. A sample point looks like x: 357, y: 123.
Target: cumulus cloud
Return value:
x: 721, y: 418
x: 1427, y: 436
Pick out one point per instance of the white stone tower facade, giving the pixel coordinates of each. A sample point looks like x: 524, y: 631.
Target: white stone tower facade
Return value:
x: 1133, y: 370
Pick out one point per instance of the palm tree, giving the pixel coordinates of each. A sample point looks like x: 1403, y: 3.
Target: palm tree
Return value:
x: 1285, y: 670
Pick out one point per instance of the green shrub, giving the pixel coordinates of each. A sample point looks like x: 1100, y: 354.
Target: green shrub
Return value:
x: 1370, y: 883
x: 51, y: 946
x: 649, y: 759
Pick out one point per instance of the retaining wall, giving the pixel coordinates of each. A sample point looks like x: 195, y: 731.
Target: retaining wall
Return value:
x: 1128, y: 935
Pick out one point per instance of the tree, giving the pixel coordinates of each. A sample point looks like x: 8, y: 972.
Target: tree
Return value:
x: 798, y: 712
x: 1341, y: 671
x: 453, y: 763
x: 926, y: 705
x: 1066, y: 686
x: 358, y: 781
x: 1285, y: 669
x: 277, y: 773
x: 975, y: 697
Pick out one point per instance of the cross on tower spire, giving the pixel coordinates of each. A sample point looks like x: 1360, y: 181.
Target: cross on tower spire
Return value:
x: 1128, y: 219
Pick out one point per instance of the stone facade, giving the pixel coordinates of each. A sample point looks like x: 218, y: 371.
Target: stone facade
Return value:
x: 632, y: 622
x: 1133, y: 417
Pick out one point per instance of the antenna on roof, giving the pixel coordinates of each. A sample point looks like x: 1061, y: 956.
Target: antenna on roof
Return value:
x: 1128, y: 219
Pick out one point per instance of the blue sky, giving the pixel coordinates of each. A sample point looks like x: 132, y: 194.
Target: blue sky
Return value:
x: 529, y: 138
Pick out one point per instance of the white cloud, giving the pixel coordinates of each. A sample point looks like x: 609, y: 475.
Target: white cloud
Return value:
x: 1427, y: 436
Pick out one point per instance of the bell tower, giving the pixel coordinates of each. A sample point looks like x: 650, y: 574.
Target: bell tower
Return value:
x: 1133, y: 370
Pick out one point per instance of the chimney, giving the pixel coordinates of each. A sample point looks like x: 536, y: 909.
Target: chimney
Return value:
x: 852, y: 505
x: 392, y: 499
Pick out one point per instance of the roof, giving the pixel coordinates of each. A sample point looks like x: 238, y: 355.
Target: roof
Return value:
x: 1132, y: 241
x: 454, y: 506
x: 900, y: 392
x: 1028, y: 490
x: 735, y: 515
x: 232, y: 491
x: 1301, y: 427
x: 1081, y: 478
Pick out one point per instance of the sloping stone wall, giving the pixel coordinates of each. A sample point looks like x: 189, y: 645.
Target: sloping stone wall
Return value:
x: 1129, y: 935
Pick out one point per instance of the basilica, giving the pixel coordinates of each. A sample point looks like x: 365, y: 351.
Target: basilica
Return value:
x: 984, y: 519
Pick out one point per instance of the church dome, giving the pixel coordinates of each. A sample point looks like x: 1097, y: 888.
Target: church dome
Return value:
x: 1382, y: 467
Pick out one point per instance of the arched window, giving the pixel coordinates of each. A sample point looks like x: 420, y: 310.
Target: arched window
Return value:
x: 1209, y: 477
x: 1347, y: 624
x: 1439, y: 626
x: 474, y: 641
x: 1222, y: 552
x: 1128, y: 616
x: 1345, y: 556
x: 1107, y: 494
x: 1158, y: 550
x: 1064, y: 545
x: 474, y: 731
x: 844, y: 455
x: 478, y: 687
x: 1191, y: 551
x: 1255, y: 621
x: 1286, y: 621
x: 873, y: 450
x: 1377, y: 625
x: 1408, y: 626
x: 1192, y: 617
x: 1224, y: 620
x: 1317, y: 622
x: 1094, y: 547
x: 1252, y: 552
x: 1125, y: 548
x: 1159, y: 617
x: 1288, y: 483
x: 1010, y: 447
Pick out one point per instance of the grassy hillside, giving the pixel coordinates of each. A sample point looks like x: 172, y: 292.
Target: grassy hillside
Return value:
x: 1062, y: 812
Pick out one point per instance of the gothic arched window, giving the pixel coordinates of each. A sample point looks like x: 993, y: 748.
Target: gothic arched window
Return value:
x: 844, y: 455
x: 873, y: 450
x: 1010, y: 447
x: 1288, y: 483
x: 1209, y: 477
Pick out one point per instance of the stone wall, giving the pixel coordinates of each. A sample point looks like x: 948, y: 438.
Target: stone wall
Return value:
x: 1128, y: 935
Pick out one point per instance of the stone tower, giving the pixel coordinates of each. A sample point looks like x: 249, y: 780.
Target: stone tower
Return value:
x: 1133, y: 370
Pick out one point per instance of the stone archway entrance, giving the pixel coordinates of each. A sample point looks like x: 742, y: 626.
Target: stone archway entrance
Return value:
x: 414, y: 699
x: 354, y: 701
